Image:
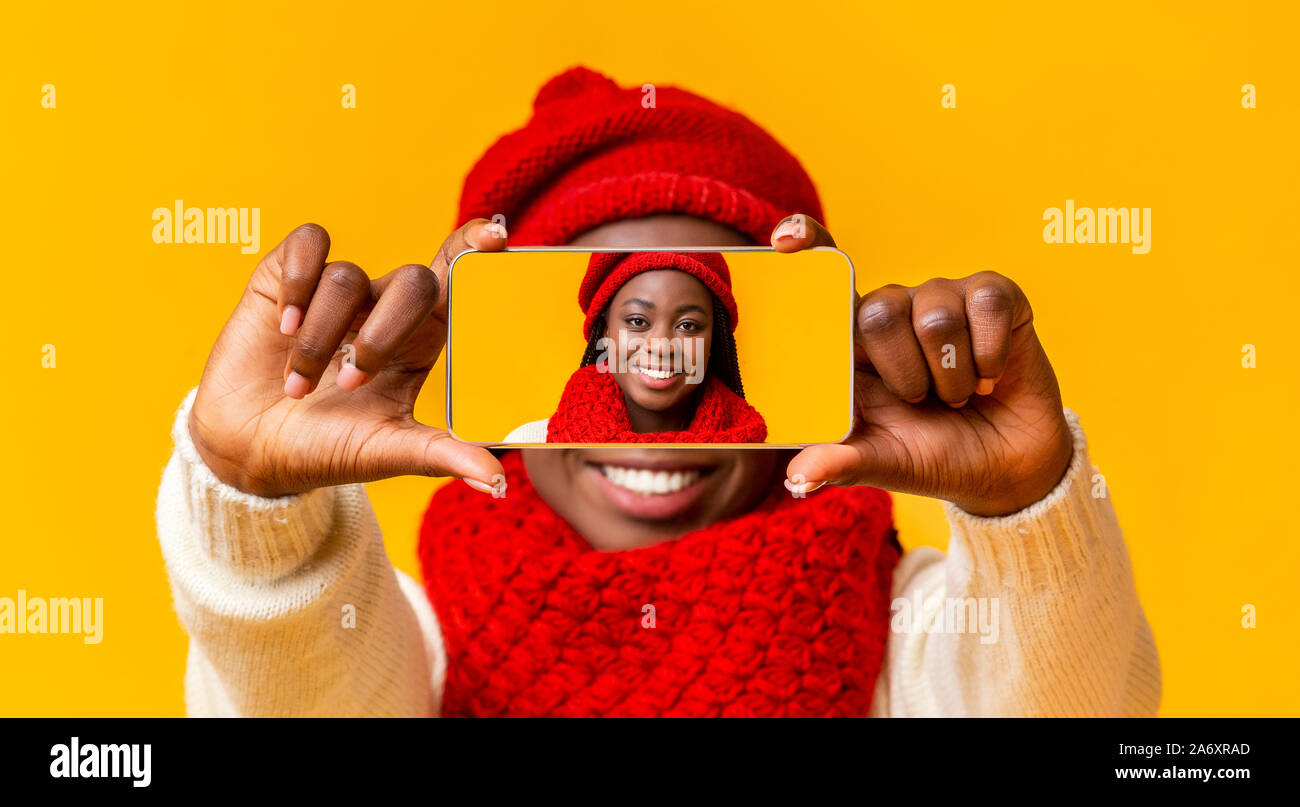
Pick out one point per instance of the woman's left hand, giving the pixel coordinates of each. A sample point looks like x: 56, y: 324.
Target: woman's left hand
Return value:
x: 955, y: 398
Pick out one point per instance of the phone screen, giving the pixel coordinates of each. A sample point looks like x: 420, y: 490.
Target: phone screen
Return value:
x: 674, y: 347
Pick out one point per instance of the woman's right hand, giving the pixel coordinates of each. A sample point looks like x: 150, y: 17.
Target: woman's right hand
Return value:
x: 276, y: 413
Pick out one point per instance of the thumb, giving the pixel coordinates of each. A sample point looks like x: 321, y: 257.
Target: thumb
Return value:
x: 856, y: 461
x: 800, y: 231
x: 425, y: 451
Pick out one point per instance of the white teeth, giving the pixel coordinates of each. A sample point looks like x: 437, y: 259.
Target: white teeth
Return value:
x: 659, y: 374
x: 647, y: 482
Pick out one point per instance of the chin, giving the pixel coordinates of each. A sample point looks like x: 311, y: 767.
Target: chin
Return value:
x: 651, y: 400
x: 658, y: 403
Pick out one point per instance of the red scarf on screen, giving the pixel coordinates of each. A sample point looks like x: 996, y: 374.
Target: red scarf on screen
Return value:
x: 781, y: 611
x: 592, y: 410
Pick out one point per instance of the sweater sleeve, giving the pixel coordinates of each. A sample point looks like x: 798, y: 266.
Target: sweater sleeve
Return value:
x: 1031, y: 614
x: 532, y: 432
x: 291, y: 604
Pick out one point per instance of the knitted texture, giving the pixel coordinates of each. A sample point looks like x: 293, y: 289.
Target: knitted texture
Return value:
x: 594, y: 153
x: 608, y: 271
x: 592, y: 410
x: 781, y: 611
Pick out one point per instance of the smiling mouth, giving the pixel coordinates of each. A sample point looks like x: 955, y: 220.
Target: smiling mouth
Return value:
x: 647, y: 482
x: 661, y: 375
x: 652, y: 490
x: 655, y: 379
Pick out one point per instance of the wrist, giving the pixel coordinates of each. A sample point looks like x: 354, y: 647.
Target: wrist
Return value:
x: 227, y: 472
x: 1026, y: 488
x: 246, y: 535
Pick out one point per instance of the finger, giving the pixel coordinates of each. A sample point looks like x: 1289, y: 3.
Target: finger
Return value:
x: 939, y: 317
x: 887, y: 337
x: 856, y: 461
x: 800, y: 231
x: 406, y: 297
x: 340, y: 295
x: 995, y: 306
x: 479, y: 234
x: 301, y: 256
x: 422, y: 450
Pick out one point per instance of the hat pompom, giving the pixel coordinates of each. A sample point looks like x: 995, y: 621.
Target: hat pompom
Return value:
x: 574, y: 83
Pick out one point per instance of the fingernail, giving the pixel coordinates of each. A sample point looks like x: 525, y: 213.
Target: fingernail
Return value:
x: 290, y: 320
x: 483, y: 487
x: 495, y: 229
x: 296, y: 385
x: 350, y: 377
x: 802, y: 487
x: 784, y: 230
x: 985, y: 386
x: 959, y: 404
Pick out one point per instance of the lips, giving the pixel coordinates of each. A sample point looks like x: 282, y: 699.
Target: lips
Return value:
x: 653, y: 490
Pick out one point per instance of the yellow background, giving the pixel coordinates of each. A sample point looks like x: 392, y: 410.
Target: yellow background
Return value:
x: 238, y: 104
x: 516, y: 338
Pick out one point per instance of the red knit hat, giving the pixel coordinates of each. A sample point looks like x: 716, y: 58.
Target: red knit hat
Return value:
x: 594, y: 153
x: 608, y: 271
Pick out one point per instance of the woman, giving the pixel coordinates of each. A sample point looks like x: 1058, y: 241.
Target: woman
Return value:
x: 660, y: 364
x: 567, y: 593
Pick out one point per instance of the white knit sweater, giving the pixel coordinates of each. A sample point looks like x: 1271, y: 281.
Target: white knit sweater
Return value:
x: 293, y: 608
x: 531, y: 432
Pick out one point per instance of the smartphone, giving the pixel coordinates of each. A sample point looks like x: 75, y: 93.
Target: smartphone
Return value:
x: 559, y: 346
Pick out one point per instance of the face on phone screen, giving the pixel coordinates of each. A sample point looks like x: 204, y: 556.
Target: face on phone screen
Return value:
x: 673, y: 347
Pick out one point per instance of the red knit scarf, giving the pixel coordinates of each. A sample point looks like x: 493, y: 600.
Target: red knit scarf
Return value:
x: 781, y: 611
x: 592, y: 410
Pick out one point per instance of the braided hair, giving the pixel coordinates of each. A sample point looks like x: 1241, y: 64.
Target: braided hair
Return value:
x: 724, y: 361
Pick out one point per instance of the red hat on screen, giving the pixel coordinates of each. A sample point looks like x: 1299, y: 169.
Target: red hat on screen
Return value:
x: 608, y: 271
x: 594, y: 153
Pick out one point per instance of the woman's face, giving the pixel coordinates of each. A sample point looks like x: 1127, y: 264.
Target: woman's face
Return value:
x: 628, y: 496
x: 660, y: 327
